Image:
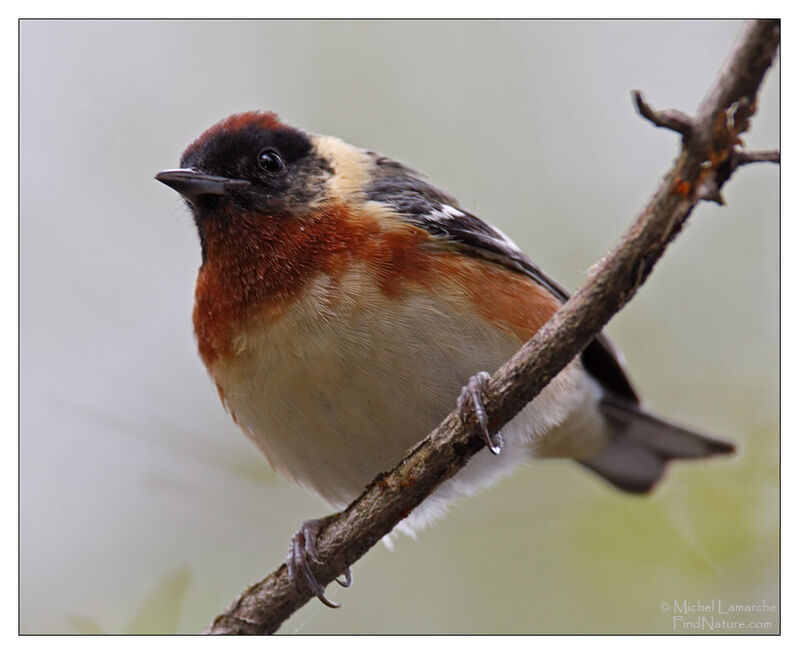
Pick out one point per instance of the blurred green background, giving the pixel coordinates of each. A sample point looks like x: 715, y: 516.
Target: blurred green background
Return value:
x: 143, y: 509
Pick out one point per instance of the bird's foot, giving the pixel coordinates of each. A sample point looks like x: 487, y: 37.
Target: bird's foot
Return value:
x: 472, y: 393
x: 302, y: 551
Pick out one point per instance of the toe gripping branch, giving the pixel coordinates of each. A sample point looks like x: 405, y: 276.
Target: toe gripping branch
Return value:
x: 472, y: 394
x: 303, y: 547
x: 302, y: 551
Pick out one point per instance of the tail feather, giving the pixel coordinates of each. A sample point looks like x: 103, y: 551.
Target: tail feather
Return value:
x: 642, y: 444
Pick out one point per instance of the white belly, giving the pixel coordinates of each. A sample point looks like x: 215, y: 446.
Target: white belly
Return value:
x: 334, y: 393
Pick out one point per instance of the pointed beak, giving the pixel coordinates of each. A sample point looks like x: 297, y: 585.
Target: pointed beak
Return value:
x: 192, y: 183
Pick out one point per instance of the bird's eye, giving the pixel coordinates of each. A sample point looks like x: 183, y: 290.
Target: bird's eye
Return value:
x: 271, y: 161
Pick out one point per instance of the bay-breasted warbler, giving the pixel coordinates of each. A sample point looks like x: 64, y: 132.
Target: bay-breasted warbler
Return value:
x: 343, y: 303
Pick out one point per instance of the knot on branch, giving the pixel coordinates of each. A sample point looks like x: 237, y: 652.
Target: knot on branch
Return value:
x: 717, y: 146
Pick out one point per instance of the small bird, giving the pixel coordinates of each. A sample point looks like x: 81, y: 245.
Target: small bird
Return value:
x: 344, y: 305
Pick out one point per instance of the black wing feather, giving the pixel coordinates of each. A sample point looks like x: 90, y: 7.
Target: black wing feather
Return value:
x: 412, y: 197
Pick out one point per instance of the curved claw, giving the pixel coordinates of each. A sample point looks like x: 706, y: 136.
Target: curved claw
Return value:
x: 473, y: 392
x: 303, y: 548
x: 496, y: 445
x: 324, y: 600
x: 348, y: 578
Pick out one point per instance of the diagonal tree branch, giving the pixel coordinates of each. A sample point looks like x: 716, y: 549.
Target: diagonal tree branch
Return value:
x: 709, y: 155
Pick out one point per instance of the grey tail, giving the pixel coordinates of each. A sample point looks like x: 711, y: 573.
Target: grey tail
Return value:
x: 642, y: 444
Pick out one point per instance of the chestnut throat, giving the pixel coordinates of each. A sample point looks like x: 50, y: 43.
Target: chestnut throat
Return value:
x: 256, y: 263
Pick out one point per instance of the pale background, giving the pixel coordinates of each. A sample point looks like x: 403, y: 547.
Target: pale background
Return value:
x: 143, y: 509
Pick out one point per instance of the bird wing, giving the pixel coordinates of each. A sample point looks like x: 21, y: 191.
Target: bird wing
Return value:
x: 420, y: 203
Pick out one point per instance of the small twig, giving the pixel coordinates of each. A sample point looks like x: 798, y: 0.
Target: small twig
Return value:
x: 741, y: 157
x: 611, y: 283
x: 671, y: 119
